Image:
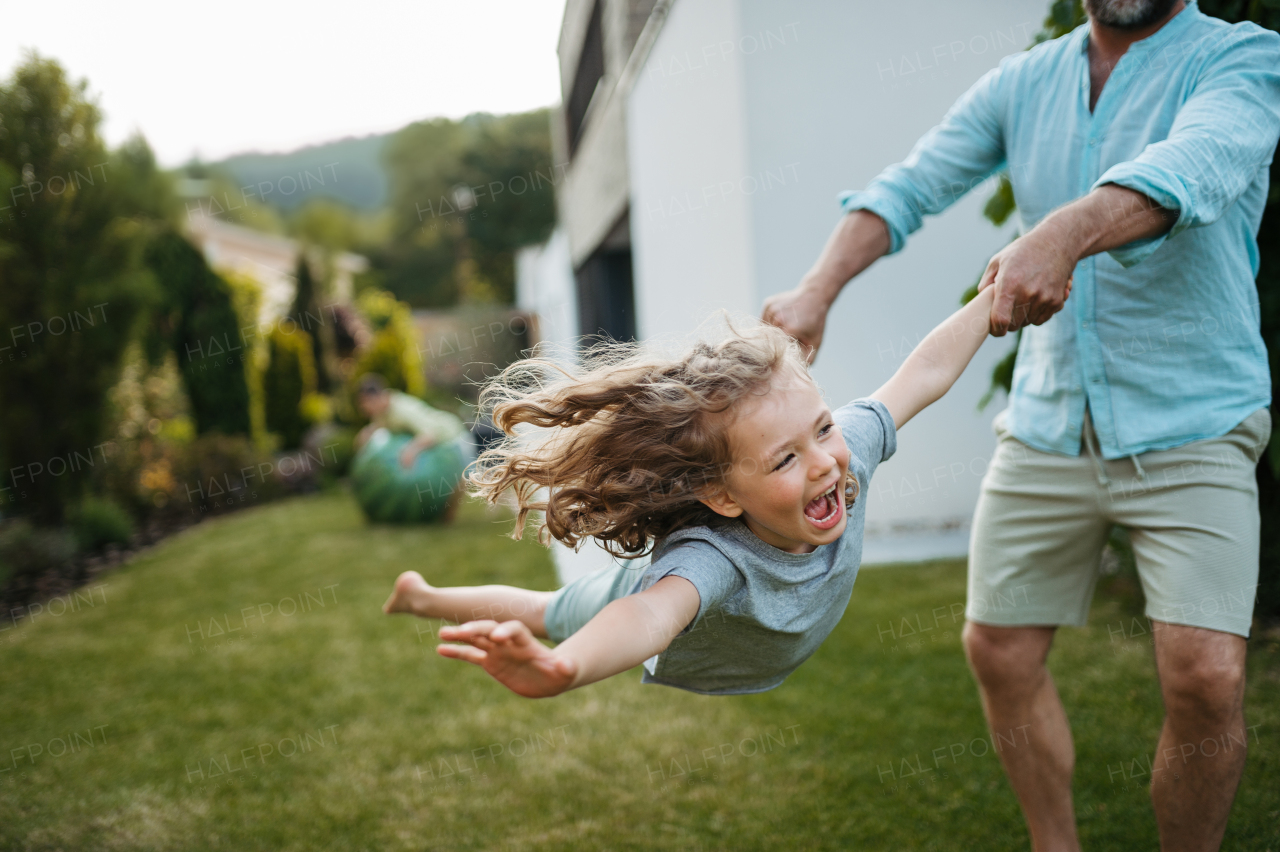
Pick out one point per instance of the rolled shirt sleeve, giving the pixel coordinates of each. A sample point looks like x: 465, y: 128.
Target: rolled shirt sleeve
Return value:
x: 1224, y: 133
x: 948, y: 161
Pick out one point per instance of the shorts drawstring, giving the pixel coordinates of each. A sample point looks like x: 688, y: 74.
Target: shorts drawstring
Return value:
x: 1093, y: 454
x: 1137, y: 465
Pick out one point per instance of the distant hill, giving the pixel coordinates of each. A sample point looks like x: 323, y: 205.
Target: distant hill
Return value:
x: 349, y: 170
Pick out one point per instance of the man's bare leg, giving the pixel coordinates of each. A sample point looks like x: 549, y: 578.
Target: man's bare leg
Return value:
x: 1202, y: 748
x: 1022, y: 704
x: 459, y: 604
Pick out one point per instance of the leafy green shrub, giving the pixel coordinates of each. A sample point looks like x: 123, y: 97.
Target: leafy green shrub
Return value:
x: 219, y: 473
x: 27, y: 553
x: 189, y: 478
x: 326, y: 456
x: 341, y: 449
x: 393, y: 351
x: 316, y: 408
x: 289, y: 378
x: 98, y: 522
x: 155, y: 463
x: 151, y: 427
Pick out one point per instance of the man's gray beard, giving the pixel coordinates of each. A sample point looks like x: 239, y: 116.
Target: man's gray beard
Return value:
x: 1128, y: 14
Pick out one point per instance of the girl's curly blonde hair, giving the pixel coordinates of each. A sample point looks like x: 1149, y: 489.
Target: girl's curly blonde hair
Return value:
x: 628, y: 445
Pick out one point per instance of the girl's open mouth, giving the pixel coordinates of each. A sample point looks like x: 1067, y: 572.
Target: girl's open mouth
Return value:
x: 824, y: 510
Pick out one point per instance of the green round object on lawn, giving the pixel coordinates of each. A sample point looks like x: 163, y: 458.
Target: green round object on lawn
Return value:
x: 390, y: 493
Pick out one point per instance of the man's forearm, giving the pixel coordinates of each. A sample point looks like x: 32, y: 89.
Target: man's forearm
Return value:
x: 1032, y: 274
x: 858, y: 241
x: 1107, y: 218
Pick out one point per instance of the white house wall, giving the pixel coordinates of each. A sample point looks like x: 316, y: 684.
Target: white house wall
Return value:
x: 686, y: 142
x: 545, y: 287
x: 751, y: 116
x: 594, y: 191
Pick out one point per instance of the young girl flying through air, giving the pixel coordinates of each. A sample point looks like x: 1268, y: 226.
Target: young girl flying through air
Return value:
x: 725, y: 466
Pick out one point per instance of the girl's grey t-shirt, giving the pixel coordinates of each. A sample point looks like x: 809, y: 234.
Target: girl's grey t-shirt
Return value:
x: 764, y: 611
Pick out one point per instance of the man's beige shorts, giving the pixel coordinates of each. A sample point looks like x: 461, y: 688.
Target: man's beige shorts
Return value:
x: 1192, y: 513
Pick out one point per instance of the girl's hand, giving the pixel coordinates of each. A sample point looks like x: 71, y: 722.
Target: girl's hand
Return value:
x: 512, y: 656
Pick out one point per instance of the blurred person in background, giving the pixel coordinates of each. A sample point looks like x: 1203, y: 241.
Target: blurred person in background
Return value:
x: 400, y: 412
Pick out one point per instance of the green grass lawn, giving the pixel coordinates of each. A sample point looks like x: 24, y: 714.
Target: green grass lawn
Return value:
x: 145, y: 722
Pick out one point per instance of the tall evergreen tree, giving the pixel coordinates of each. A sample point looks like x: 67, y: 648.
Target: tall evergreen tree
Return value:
x: 308, y: 312
x: 73, y: 285
x: 200, y: 324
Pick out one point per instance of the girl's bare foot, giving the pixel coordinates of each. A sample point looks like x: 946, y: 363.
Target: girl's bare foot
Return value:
x: 411, y: 595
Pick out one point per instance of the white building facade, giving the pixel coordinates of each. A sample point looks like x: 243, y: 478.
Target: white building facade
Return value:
x: 712, y: 155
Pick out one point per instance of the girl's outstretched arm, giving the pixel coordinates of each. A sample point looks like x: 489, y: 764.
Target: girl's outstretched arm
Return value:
x: 622, y: 635
x: 933, y: 366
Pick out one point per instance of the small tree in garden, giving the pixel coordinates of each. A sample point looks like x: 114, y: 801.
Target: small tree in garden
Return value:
x: 310, y: 313
x: 1066, y: 15
x: 289, y: 378
x: 246, y: 297
x: 204, y: 331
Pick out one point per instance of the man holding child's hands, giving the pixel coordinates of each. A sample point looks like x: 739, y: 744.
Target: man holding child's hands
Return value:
x: 1032, y: 275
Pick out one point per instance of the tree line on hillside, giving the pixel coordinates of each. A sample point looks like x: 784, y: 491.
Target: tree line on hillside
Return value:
x: 460, y: 198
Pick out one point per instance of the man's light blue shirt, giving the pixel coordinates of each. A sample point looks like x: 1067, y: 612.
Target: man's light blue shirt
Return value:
x: 1160, y: 337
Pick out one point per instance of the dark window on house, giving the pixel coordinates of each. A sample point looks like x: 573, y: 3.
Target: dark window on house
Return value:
x: 590, y: 70
x: 606, y: 303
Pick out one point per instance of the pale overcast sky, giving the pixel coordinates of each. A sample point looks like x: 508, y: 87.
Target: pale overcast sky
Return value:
x: 240, y: 75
